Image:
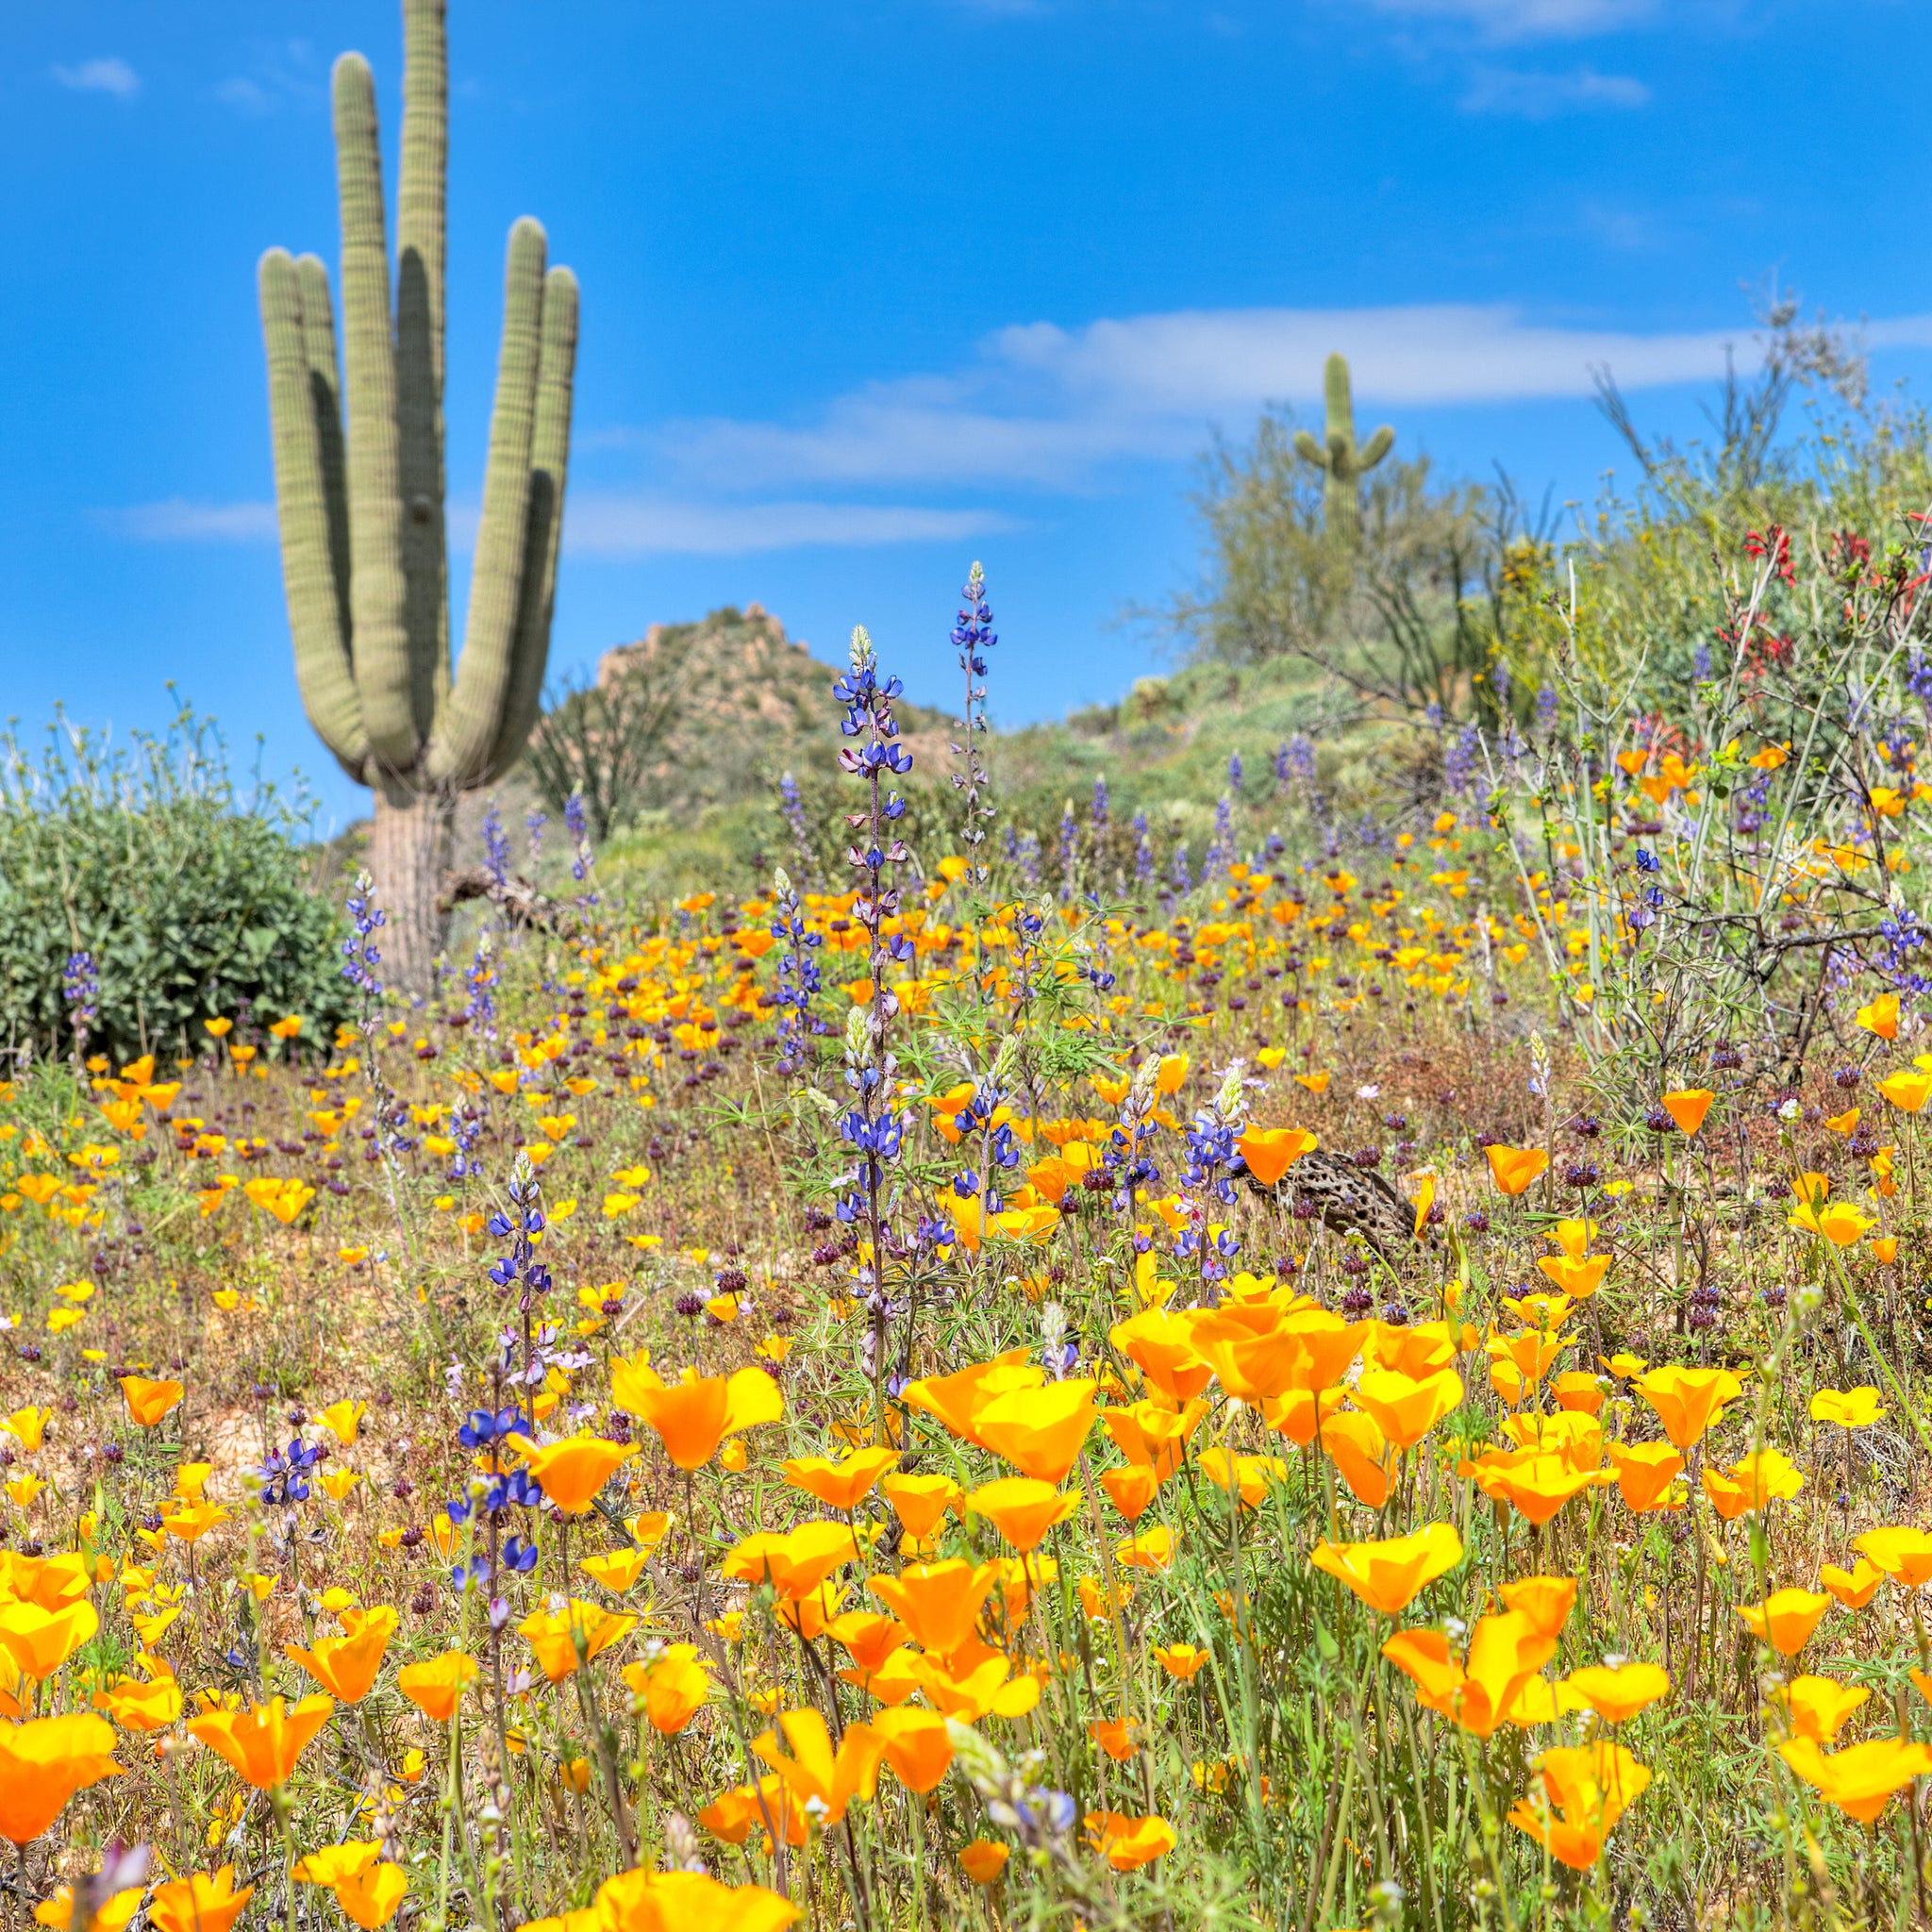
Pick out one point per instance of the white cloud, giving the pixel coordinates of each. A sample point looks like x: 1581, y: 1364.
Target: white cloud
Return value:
x: 610, y: 525
x: 1544, y: 96
x: 1050, y: 407
x: 1523, y: 20
x: 613, y: 526
x: 245, y: 96
x: 109, y: 75
x: 178, y: 520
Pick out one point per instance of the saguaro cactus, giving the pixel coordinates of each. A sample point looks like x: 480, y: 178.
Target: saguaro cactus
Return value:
x: 1344, y: 463
x: 364, y: 550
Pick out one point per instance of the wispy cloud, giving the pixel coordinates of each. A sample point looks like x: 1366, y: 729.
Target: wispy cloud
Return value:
x: 179, y: 520
x: 1041, y: 410
x: 245, y: 96
x: 110, y: 74
x: 1050, y: 407
x: 615, y: 527
x: 1544, y: 96
x: 1522, y: 20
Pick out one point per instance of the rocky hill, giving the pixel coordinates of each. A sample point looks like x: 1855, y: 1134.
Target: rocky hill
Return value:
x: 749, y: 703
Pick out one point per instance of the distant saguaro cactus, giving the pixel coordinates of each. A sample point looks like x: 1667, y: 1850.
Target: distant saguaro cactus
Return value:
x: 1344, y: 462
x: 364, y: 552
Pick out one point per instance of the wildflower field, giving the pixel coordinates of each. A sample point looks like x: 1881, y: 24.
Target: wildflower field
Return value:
x: 1360, y: 1383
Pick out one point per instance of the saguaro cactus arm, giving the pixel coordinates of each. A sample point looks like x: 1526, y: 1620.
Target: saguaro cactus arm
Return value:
x: 1339, y: 457
x: 421, y: 248
x: 543, y: 527
x: 310, y: 574
x: 377, y: 591
x: 466, y: 732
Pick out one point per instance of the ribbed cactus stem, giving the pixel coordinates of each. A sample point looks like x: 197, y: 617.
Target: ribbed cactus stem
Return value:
x: 323, y: 667
x: 326, y: 389
x: 1343, y: 463
x: 363, y: 536
x: 376, y: 588
x: 420, y: 197
x: 544, y: 523
x: 466, y: 734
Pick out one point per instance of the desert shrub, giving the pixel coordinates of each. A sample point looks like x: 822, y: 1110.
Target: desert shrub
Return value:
x: 191, y: 900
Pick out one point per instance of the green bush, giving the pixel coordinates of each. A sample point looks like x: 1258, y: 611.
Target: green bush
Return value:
x: 189, y: 899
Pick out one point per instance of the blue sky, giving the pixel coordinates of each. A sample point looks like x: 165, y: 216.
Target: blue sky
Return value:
x: 876, y: 287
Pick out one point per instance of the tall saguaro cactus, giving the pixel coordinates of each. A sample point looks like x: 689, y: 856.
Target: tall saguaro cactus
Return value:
x: 1344, y: 463
x: 364, y: 544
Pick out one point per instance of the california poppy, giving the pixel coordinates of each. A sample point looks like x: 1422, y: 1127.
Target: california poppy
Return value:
x: 203, y: 1902
x: 843, y: 1484
x: 1819, y: 1708
x: 43, y: 1762
x: 1040, y: 1431
x: 1387, y: 1573
x: 1689, y: 1401
x: 1786, y: 1619
x: 1619, y: 1694
x: 434, y: 1686
x: 795, y: 1563
x: 938, y: 1602
x: 148, y: 1402
x: 1585, y: 1790
x: 347, y: 1664
x: 1688, y: 1107
x: 1514, y: 1168
x: 563, y: 1638
x: 1270, y: 1152
x: 263, y: 1741
x: 825, y: 1779
x: 571, y: 1473
x: 1862, y: 1780
x: 671, y: 1688
x: 1022, y: 1509
x: 1127, y: 1843
x: 695, y: 1414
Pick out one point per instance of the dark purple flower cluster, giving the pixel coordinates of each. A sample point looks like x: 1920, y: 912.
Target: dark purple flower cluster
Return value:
x: 359, y: 955
x: 520, y: 1268
x: 81, y: 985
x: 798, y: 976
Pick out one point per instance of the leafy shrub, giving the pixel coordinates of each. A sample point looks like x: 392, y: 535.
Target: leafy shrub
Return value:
x: 189, y: 900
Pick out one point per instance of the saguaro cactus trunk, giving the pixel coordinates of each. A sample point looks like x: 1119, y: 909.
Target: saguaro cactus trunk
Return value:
x: 1344, y: 462
x: 359, y: 483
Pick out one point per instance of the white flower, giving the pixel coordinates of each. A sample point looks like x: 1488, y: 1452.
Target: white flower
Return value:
x: 1789, y: 1112
x: 1368, y: 1094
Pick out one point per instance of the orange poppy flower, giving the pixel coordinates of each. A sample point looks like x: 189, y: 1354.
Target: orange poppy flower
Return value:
x: 1853, y: 1588
x: 1689, y: 1401
x: 1862, y: 1780
x: 435, y: 1686
x: 1162, y: 1346
x: 1406, y: 1407
x: 347, y: 1664
x: 1270, y: 1152
x: 1820, y: 1709
x: 1546, y: 1601
x: 43, y: 1762
x: 1505, y: 1653
x: 1022, y: 1509
x: 1585, y: 1790
x: 148, y: 1402
x: 1514, y: 1168
x: 1688, y: 1107
x: 263, y: 1741
x: 1645, y: 1471
x: 917, y: 1745
x: 983, y: 1860
x: 794, y: 1563
x: 921, y: 1501
x: 1180, y: 1660
x: 1131, y: 1489
x: 1786, y: 1619
x: 1617, y: 1695
x: 571, y: 1473
x: 1387, y: 1573
x: 695, y: 1414
x: 818, y: 1776
x: 842, y: 1484
x: 1754, y: 1483
x: 573, y: 1635
x: 203, y: 1902
x: 1127, y: 1843
x: 1360, y: 1451
x: 958, y: 1400
x: 1153, y: 1435
x: 938, y: 1602
x: 1904, y: 1554
x: 1040, y: 1431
